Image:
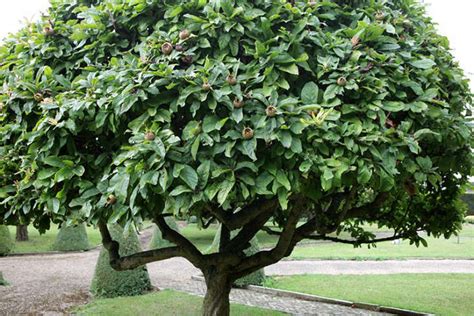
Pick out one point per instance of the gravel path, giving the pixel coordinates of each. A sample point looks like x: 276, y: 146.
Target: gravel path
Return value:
x: 50, y: 284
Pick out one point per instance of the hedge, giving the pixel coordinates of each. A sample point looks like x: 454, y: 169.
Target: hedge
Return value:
x: 107, y: 282
x: 71, y: 238
x: 6, y: 241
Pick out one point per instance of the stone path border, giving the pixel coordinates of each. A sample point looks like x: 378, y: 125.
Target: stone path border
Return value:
x: 316, y: 298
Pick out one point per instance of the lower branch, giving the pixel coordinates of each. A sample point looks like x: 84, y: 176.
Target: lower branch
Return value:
x: 136, y: 260
x: 189, y: 251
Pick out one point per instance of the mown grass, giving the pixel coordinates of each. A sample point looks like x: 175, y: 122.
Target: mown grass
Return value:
x: 163, y: 303
x: 44, y: 242
x: 453, y: 248
x: 441, y: 294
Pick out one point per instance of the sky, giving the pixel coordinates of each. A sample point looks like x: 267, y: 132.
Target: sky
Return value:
x: 454, y: 20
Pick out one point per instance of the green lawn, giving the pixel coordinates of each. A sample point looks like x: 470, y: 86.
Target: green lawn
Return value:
x: 202, y: 238
x: 442, y: 294
x: 163, y: 303
x: 437, y: 248
x: 43, y: 243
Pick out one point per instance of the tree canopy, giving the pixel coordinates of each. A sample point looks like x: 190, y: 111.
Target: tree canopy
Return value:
x: 334, y: 113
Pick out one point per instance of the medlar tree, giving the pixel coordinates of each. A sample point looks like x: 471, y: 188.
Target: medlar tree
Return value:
x: 320, y: 116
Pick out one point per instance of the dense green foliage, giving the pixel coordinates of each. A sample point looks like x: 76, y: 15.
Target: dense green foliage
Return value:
x: 255, y: 278
x: 6, y: 241
x: 157, y: 240
x: 71, y: 238
x: 110, y: 283
x: 122, y: 110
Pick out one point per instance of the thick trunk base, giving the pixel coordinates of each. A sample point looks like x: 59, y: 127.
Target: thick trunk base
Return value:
x: 216, y: 301
x: 22, y: 233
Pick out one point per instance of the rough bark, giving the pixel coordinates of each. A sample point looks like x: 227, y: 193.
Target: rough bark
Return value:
x: 216, y: 301
x: 22, y: 233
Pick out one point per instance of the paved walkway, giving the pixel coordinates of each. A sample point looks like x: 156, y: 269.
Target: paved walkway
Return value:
x: 50, y: 284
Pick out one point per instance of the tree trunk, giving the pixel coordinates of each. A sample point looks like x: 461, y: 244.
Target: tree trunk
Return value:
x: 22, y: 233
x: 216, y: 301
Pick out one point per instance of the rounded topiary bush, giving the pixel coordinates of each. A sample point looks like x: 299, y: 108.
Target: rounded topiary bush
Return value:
x: 157, y: 240
x: 256, y: 278
x: 71, y: 238
x: 6, y: 241
x: 110, y: 283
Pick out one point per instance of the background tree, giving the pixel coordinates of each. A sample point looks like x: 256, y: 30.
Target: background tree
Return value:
x: 320, y: 116
x: 21, y: 232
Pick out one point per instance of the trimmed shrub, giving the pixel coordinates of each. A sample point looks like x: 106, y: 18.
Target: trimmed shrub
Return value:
x: 255, y: 278
x: 71, y: 238
x: 2, y: 280
x: 6, y: 241
x: 157, y: 240
x: 107, y: 282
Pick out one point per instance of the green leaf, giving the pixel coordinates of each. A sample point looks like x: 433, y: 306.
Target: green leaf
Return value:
x: 291, y: 69
x: 393, y: 106
x: 283, y: 198
x: 189, y: 176
x: 210, y: 123
x: 309, y: 94
x: 424, y: 63
x: 364, y: 175
x: 195, y: 147
x: 180, y: 189
x: 226, y: 187
x: 283, y: 179
x: 331, y: 92
x: 121, y: 187
x: 285, y: 138
x: 46, y: 173
x: 249, y: 147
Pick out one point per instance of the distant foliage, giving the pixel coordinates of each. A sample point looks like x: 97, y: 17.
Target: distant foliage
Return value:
x: 6, y: 241
x: 110, y: 283
x: 468, y: 198
x: 71, y: 238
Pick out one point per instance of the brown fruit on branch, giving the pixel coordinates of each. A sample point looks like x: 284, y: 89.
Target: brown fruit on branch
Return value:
x: 184, y: 35
x: 111, y: 199
x: 238, y: 103
x: 188, y: 60
x: 206, y: 86
x: 247, y: 133
x: 167, y: 48
x: 271, y: 111
x: 231, y: 80
x: 149, y: 136
x: 379, y: 16
x: 355, y: 40
x: 38, y: 97
x: 179, y: 48
x: 342, y: 81
x: 48, y: 31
